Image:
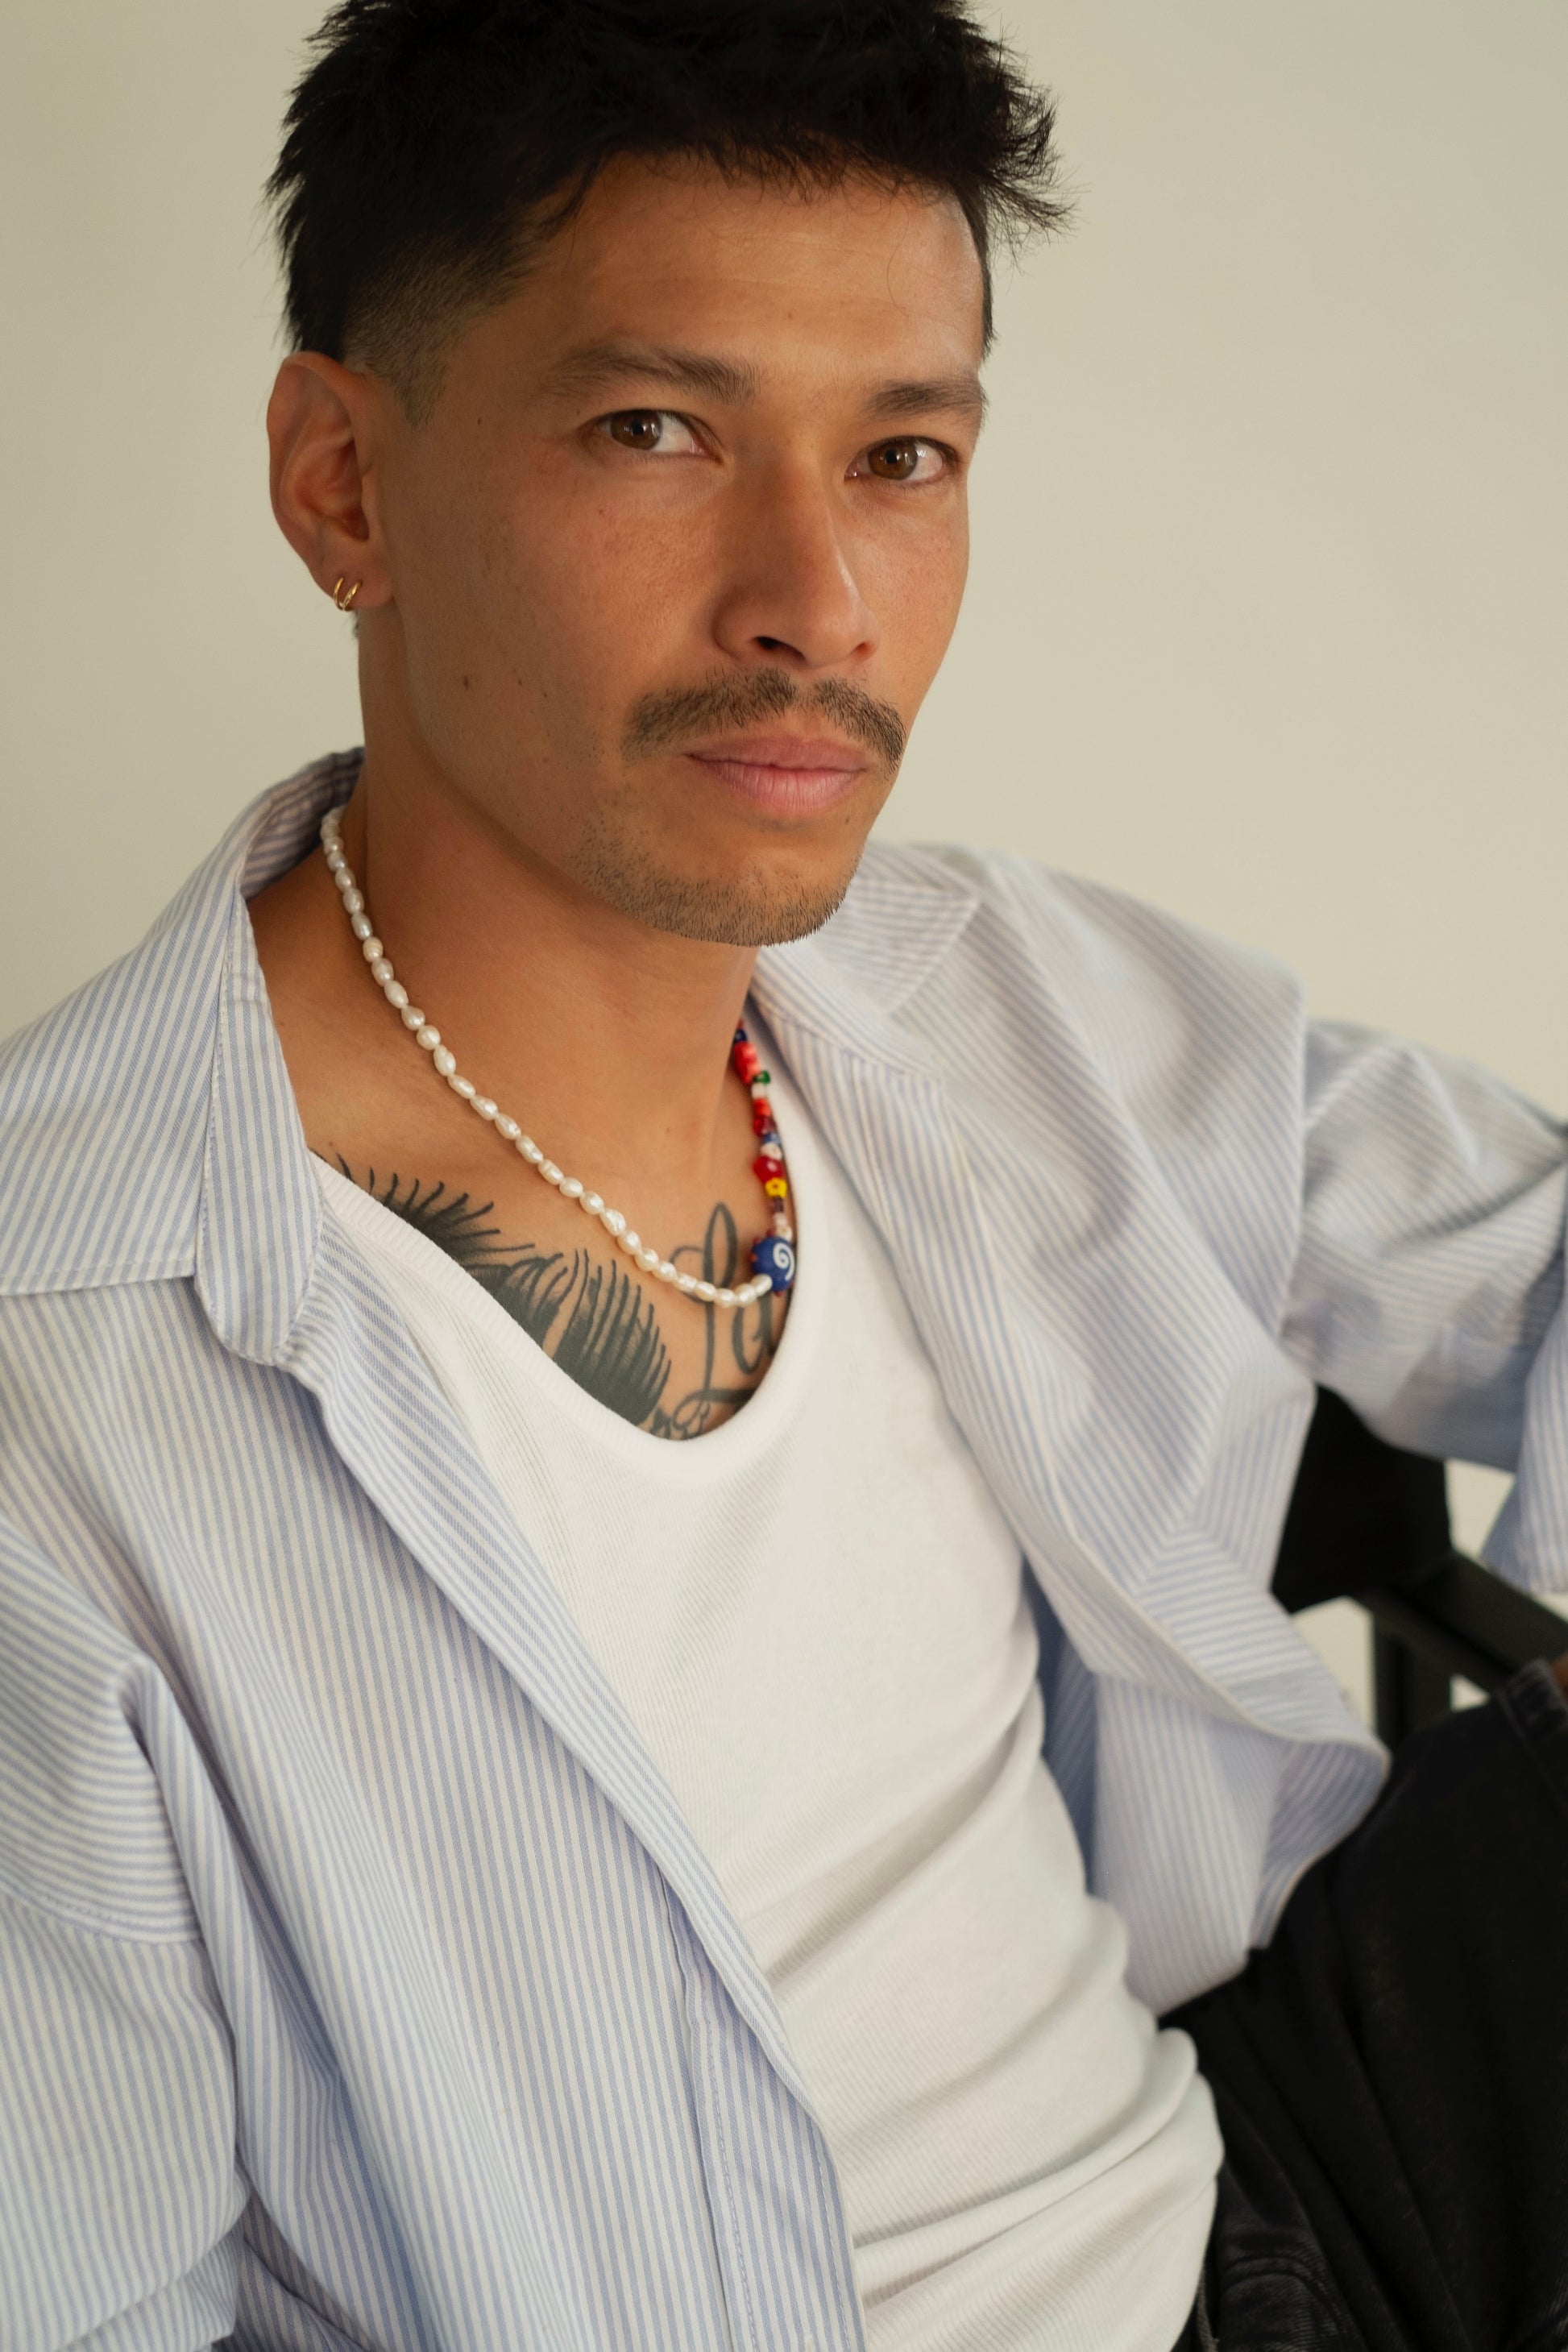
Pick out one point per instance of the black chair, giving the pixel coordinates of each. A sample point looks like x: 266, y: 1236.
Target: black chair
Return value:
x: 1370, y: 1522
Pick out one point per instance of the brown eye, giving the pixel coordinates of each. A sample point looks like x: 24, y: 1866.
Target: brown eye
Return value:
x: 910, y: 460
x: 637, y: 428
x: 895, y: 461
x: 651, y: 432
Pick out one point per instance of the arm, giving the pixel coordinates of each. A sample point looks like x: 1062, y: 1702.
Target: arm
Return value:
x: 118, y: 2192
x: 119, y: 2189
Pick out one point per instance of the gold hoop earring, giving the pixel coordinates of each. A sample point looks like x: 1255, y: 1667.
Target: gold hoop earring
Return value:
x: 345, y: 603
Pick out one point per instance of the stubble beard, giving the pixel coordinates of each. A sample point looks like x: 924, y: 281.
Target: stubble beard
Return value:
x: 753, y: 911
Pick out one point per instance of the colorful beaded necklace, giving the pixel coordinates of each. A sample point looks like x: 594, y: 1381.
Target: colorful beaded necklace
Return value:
x: 772, y: 1257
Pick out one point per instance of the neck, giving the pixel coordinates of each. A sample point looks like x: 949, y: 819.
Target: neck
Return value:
x: 597, y: 1026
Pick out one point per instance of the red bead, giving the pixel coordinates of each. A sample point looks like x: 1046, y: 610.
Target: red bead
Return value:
x: 764, y: 1168
x: 747, y: 1060
x: 762, y: 1118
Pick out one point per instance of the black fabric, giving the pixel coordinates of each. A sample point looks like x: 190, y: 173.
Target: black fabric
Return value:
x: 1392, y: 2074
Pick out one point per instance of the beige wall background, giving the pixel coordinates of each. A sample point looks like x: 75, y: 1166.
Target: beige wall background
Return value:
x: 1269, y: 605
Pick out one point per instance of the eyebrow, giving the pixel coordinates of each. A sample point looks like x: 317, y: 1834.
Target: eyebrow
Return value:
x: 963, y: 395
x: 599, y: 367
x: 602, y: 367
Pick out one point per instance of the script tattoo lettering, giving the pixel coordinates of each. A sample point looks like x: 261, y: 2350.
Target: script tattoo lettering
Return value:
x: 589, y: 1315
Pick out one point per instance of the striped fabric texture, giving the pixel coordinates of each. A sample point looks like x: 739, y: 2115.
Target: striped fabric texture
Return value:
x: 361, y: 1982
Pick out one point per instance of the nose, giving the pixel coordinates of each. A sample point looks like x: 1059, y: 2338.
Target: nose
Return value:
x: 790, y: 594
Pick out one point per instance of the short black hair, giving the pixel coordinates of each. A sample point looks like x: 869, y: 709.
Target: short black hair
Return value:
x: 429, y: 141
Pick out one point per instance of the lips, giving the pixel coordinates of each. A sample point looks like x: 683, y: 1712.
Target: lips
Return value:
x: 807, y: 754
x: 787, y: 774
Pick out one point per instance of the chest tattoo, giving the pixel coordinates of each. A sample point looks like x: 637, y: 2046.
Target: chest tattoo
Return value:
x: 591, y: 1316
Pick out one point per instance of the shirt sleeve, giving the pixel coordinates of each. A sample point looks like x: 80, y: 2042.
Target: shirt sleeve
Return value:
x: 120, y: 2193
x: 1429, y: 1285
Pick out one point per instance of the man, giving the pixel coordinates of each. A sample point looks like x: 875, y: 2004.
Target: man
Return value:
x: 482, y: 1869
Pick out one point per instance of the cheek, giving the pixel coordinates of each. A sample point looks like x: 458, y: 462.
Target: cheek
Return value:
x: 610, y: 573
x: 912, y: 576
x: 599, y: 597
x: 533, y: 604
x: 448, y: 575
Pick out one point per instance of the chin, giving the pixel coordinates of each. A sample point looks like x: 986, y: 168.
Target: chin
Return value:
x: 754, y: 910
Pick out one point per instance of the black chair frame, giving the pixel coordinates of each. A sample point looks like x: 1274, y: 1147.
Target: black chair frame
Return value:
x: 1370, y: 1522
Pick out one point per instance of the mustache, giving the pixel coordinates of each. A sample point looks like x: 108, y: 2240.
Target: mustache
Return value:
x: 662, y: 719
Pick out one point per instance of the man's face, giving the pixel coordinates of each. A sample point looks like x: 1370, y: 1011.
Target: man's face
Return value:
x: 677, y: 552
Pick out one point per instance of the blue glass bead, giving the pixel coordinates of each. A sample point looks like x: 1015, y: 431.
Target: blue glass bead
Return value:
x: 775, y: 1259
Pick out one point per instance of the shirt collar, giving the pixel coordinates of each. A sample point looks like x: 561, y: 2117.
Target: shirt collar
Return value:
x: 261, y: 1217
x: 139, y: 1115
x: 848, y: 983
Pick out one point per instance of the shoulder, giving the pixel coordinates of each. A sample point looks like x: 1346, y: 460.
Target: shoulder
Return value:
x: 101, y: 1119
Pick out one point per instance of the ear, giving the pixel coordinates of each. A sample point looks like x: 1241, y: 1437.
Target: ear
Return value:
x: 321, y: 427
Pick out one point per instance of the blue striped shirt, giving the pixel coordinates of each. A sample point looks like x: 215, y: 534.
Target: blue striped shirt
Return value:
x: 361, y: 1982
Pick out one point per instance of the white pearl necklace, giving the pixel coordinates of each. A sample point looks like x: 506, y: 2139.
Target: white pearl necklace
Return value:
x: 443, y: 1062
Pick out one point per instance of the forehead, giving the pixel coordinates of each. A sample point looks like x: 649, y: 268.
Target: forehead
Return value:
x: 854, y: 276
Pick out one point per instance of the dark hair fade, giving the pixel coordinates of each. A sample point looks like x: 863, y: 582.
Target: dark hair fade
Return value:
x: 431, y: 143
